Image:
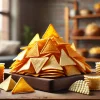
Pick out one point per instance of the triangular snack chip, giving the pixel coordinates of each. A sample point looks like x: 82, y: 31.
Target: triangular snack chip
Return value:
x: 18, y: 65
x: 27, y: 67
x: 8, y: 84
x: 34, y: 51
x: 80, y: 86
x: 30, y: 70
x: 71, y: 70
x: 73, y: 53
x: 35, y: 38
x: 59, y: 40
x: 33, y: 41
x: 50, y: 32
x: 65, y: 59
x: 49, y: 47
x: 52, y: 64
x: 53, y: 70
x: 73, y: 47
x: 38, y: 63
x: 14, y: 64
x: 46, y: 55
x: 21, y: 55
x: 88, y: 68
x: 41, y: 43
x: 22, y: 87
x: 22, y: 72
x: 28, y: 47
x: 23, y: 47
x: 80, y: 64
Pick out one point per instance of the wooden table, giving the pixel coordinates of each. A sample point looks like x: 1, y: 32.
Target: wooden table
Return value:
x: 45, y: 95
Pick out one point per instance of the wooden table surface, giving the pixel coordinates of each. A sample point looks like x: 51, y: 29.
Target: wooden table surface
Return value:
x: 45, y: 95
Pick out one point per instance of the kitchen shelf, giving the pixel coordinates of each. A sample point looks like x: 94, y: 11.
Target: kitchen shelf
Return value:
x: 85, y: 37
x: 76, y: 19
x: 87, y: 16
x: 93, y: 59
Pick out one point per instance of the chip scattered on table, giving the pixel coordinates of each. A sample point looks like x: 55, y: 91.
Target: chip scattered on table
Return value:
x: 22, y: 87
x: 8, y: 84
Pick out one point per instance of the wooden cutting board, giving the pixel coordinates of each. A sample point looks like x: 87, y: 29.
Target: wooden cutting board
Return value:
x: 48, y: 84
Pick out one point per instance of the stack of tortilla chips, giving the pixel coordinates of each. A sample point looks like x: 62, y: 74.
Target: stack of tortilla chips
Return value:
x: 49, y: 57
x: 2, y: 66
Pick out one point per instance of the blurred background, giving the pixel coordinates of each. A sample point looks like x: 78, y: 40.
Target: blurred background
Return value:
x: 76, y: 21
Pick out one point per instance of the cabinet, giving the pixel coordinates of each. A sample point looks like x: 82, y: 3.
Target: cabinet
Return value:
x: 75, y: 26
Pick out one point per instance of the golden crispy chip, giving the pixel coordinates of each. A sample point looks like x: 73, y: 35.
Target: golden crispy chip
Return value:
x: 24, y: 47
x: 35, y: 75
x: 49, y: 47
x: 38, y: 63
x: 52, y: 76
x: 30, y: 74
x: 65, y: 59
x: 41, y: 43
x: 80, y: 64
x: 50, y: 32
x: 73, y: 46
x: 8, y: 84
x: 46, y: 55
x: 27, y: 67
x: 33, y: 52
x: 22, y: 87
x: 88, y: 68
x: 52, y: 64
x: 51, y: 73
x: 21, y: 73
x: 73, y: 53
x: 29, y: 71
x: 17, y: 66
x: 58, y: 40
x: 53, y: 70
x: 57, y: 56
x: 14, y: 64
x: 21, y: 55
x: 35, y: 38
x: 80, y: 86
x: 71, y: 70
x: 28, y: 47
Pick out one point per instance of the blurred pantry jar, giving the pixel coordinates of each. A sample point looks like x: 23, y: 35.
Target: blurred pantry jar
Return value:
x: 97, y: 7
x: 73, y: 12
